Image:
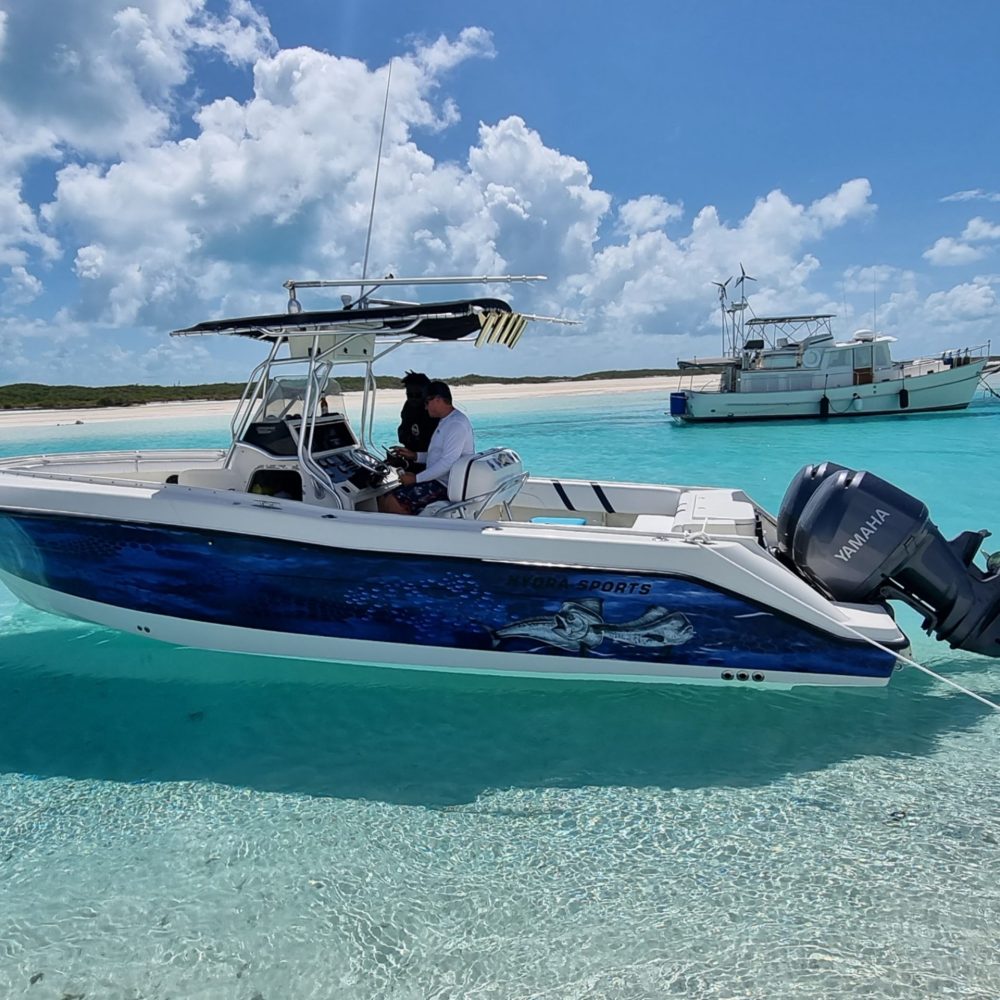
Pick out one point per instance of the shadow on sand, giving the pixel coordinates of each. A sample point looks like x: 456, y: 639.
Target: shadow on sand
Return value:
x: 117, y: 708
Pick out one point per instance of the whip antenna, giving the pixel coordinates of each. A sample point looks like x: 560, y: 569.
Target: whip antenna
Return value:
x: 378, y: 164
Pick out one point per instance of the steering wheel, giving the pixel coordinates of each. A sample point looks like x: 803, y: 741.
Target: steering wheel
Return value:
x: 379, y: 471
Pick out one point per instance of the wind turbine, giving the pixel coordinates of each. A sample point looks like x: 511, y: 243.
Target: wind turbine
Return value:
x: 721, y: 285
x: 740, y: 306
x: 741, y: 279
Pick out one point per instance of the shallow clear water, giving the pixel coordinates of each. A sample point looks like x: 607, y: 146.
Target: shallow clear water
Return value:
x: 182, y: 824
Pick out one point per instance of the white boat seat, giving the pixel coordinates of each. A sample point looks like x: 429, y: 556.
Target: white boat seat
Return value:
x: 479, y: 482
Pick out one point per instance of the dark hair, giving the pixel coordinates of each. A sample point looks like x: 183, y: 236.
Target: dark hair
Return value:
x: 438, y: 389
x: 415, y: 383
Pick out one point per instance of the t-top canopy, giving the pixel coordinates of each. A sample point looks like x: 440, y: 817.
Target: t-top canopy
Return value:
x: 432, y: 320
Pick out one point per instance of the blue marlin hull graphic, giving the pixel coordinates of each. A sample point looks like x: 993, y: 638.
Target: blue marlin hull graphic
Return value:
x: 417, y: 599
x: 580, y: 625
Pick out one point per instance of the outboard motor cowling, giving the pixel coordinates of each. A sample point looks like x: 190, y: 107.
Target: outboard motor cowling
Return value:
x: 800, y: 491
x: 857, y: 533
x: 859, y: 538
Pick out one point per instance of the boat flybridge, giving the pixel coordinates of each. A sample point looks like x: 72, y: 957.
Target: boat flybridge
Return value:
x: 274, y: 545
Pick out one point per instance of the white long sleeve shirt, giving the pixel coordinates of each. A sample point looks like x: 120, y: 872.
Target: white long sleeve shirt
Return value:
x: 453, y: 437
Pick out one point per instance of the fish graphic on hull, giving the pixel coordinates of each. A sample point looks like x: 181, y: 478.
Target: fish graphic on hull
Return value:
x: 579, y: 626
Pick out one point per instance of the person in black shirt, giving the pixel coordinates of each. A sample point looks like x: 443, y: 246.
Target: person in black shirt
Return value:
x: 415, y: 425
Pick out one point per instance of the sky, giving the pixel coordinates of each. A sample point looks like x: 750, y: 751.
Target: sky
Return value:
x: 164, y: 162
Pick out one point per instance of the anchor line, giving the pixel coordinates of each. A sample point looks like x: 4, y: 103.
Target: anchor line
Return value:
x: 701, y: 538
x: 988, y: 387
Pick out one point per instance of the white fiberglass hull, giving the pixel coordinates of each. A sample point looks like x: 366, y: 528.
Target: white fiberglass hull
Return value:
x: 949, y: 389
x: 230, y: 571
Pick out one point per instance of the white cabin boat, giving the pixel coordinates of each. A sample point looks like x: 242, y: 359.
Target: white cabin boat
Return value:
x: 792, y: 367
x: 274, y: 545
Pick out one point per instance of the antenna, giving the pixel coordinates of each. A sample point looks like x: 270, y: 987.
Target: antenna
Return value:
x: 721, y: 285
x: 378, y: 164
x: 874, y: 294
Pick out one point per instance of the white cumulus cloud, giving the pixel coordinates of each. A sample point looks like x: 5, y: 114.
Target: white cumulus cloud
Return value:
x: 20, y: 233
x: 963, y: 303
x: 648, y: 212
x: 980, y: 229
x: 168, y: 206
x: 948, y: 252
x: 99, y: 76
x: 20, y: 286
x: 849, y: 202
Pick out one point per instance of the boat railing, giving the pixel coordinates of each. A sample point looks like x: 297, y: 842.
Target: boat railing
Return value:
x: 46, y: 463
x: 693, y: 380
x: 957, y: 356
x: 253, y: 394
x: 951, y: 358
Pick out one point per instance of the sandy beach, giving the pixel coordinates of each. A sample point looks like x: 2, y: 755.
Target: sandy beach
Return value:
x: 389, y: 397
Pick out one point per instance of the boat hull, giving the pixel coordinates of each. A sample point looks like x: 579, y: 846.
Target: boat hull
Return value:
x: 950, y: 389
x: 256, y: 593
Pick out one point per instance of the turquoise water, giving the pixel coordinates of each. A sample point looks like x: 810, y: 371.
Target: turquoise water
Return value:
x: 184, y: 824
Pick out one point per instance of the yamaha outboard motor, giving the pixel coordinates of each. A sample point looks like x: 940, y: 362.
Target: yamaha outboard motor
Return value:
x: 858, y: 538
x: 800, y: 491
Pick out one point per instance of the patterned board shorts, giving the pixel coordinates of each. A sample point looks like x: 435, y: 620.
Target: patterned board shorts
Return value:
x: 416, y: 497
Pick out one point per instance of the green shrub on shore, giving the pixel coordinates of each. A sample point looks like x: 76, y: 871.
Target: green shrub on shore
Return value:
x: 33, y: 395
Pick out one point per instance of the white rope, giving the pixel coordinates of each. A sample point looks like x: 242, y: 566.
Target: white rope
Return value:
x: 701, y: 538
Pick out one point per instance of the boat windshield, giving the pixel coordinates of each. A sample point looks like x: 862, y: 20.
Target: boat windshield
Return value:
x: 286, y: 394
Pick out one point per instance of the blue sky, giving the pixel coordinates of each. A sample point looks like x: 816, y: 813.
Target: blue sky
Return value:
x: 165, y: 161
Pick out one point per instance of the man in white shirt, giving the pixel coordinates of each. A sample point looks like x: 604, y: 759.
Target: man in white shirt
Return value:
x: 453, y: 437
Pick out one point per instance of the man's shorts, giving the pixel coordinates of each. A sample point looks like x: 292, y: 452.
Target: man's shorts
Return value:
x: 413, y: 499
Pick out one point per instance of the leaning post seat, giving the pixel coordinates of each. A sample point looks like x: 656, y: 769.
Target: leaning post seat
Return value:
x: 480, y: 481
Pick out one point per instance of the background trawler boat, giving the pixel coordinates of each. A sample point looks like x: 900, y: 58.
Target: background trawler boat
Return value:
x: 792, y: 367
x: 274, y: 545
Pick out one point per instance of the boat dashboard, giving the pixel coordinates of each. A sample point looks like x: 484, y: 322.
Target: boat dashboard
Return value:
x: 355, y: 474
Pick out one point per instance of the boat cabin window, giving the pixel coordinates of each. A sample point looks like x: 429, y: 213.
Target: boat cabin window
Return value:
x: 778, y: 360
x: 837, y: 358
x: 882, y: 357
x: 863, y: 356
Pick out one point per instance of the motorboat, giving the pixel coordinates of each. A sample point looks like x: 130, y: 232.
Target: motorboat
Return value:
x: 793, y: 367
x: 275, y: 545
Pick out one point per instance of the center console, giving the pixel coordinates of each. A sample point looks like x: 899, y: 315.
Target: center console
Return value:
x: 353, y: 467
x: 352, y: 473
